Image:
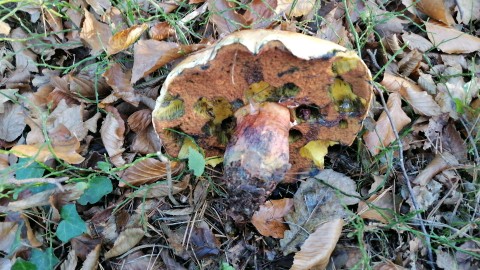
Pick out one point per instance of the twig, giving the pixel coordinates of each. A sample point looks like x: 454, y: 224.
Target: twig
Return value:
x: 168, y: 166
x: 55, y: 181
x: 407, y: 179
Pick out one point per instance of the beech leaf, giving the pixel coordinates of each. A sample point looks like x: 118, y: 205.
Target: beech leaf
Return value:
x: 450, y: 40
x: 147, y: 171
x: 112, y: 133
x: 268, y: 220
x: 95, y: 33
x: 123, y: 39
x: 126, y: 240
x: 12, y: 122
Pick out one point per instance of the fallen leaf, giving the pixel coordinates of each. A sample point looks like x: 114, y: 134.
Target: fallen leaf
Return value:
x: 146, y: 141
x: 417, y: 42
x: 127, y: 239
x: 55, y: 22
x: 442, y: 161
x: 120, y: 83
x: 123, y: 39
x: 70, y: 262
x: 71, y: 117
x: 383, y: 134
x: 4, y: 28
x: 260, y: 13
x: 294, y: 8
x: 204, y: 241
x: 160, y: 189
x: 314, y: 204
x: 161, y: 31
x: 25, y: 59
x: 446, y: 260
x: 112, y: 133
x: 64, y: 147
x: 339, y: 181
x: 437, y: 10
x: 8, y: 230
x: 94, y: 33
x: 315, y: 252
x: 469, y: 10
x: 12, y: 122
x: 140, y: 120
x: 149, y: 55
x: 316, y: 151
x: 91, y: 261
x: 427, y: 195
x: 388, y: 266
x: 419, y: 99
x: 84, y: 244
x: 268, y: 220
x: 225, y: 17
x: 100, y: 6
x: 147, y: 171
x: 451, y: 40
x: 379, y: 207
x: 410, y: 63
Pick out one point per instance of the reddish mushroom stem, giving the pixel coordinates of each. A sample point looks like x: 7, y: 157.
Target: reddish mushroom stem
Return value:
x: 257, y: 157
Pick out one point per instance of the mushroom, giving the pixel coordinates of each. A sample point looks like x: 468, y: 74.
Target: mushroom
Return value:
x: 260, y: 96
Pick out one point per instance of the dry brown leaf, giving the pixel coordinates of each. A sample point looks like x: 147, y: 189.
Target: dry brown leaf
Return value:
x: 64, y: 147
x: 451, y: 40
x: 123, y: 39
x: 388, y: 266
x: 225, y: 17
x: 140, y: 120
x: 161, y: 31
x: 71, y: 116
x: 437, y: 10
x: 410, y: 63
x: 25, y: 59
x: 315, y: 252
x: 147, y: 171
x: 260, y: 13
x: 383, y: 206
x: 12, y: 122
x: 113, y: 135
x: 91, y: 261
x: 268, y: 220
x: 126, y: 240
x: 55, y: 22
x: 100, y: 6
x: 294, y: 8
x: 91, y: 124
x: 469, y: 10
x: 94, y: 33
x: 146, y: 142
x: 417, y: 42
x: 160, y: 189
x: 120, y: 83
x: 383, y: 134
x: 8, y: 231
x: 70, y: 262
x: 420, y: 100
x: 7, y: 95
x: 442, y: 161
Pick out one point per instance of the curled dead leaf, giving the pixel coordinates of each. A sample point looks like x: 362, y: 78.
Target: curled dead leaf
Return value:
x: 112, y: 133
x: 379, y: 207
x: 147, y: 171
x: 161, y: 31
x: 94, y: 33
x: 120, y: 83
x: 315, y: 252
x: 268, y: 220
x: 442, y: 161
x: 383, y: 134
x: 450, y: 40
x: 126, y: 240
x: 123, y: 39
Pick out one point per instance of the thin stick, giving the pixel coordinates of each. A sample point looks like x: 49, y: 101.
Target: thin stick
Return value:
x: 407, y: 180
x: 55, y: 181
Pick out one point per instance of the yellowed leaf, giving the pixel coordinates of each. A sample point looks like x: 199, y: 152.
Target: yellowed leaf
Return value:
x: 268, y: 220
x: 315, y: 252
x: 436, y: 9
x: 94, y: 33
x: 161, y: 31
x: 125, y: 241
x: 123, y: 39
x: 147, y: 171
x: 383, y: 134
x: 294, y: 8
x: 419, y: 99
x: 316, y: 151
x: 112, y: 133
x: 64, y: 147
x: 451, y: 40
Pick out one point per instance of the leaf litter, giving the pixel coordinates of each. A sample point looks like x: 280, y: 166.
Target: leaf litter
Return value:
x: 76, y: 96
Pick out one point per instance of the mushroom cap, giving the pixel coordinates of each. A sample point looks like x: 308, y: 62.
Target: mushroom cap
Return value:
x: 326, y: 87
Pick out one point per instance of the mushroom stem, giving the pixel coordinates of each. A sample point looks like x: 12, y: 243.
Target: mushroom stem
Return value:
x: 257, y: 157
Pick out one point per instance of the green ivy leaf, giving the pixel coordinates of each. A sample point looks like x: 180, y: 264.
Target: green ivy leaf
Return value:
x: 226, y: 266
x: 44, y: 260
x: 28, y: 169
x: 97, y: 188
x: 71, y: 225
x: 21, y: 264
x: 104, y: 166
x: 196, y: 162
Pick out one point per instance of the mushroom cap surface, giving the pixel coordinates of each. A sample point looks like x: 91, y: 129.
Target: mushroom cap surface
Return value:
x: 326, y: 87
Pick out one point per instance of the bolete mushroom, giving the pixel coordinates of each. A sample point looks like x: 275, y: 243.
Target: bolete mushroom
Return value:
x: 261, y: 96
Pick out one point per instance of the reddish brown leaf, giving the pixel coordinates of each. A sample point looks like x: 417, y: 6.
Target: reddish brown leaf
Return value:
x: 94, y: 33
x: 112, y: 133
x: 224, y: 16
x: 268, y: 220
x: 260, y: 13
x: 140, y: 120
x: 147, y: 171
x: 437, y: 10
x: 120, y: 83
x: 123, y: 39
x: 383, y: 134
x: 161, y: 31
